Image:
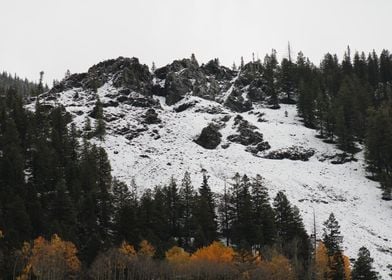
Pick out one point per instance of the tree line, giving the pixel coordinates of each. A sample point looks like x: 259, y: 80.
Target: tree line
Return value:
x: 347, y: 101
x: 56, y: 186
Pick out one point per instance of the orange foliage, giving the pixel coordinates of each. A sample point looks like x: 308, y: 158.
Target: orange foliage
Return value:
x: 321, y: 265
x: 1, y: 234
x: 177, y: 255
x: 56, y: 258
x: 127, y: 249
x: 347, y: 267
x: 216, y: 252
x: 323, y: 262
x: 146, y: 249
x: 278, y: 268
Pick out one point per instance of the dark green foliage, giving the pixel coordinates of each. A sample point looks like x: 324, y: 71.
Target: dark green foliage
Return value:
x: 204, y: 214
x: 100, y: 125
x: 332, y: 237
x: 187, y: 196
x: 270, y: 72
x: 291, y: 233
x: 263, y: 220
x: 379, y: 146
x: 363, y: 266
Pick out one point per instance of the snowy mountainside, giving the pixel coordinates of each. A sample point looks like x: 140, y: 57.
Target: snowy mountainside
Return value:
x: 152, y: 151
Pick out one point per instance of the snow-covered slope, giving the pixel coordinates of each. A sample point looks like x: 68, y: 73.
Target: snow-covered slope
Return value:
x: 151, y: 153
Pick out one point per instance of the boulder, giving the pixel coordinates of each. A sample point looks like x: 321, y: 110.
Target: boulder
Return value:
x: 210, y: 137
x: 151, y: 117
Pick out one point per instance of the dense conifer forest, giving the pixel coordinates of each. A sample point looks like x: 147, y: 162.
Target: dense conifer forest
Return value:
x: 64, y: 216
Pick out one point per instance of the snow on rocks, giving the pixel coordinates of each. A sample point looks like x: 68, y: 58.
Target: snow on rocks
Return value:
x: 166, y: 148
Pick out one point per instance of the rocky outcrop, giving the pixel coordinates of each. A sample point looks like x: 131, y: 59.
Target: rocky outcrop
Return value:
x: 184, y: 77
x: 248, y: 136
x: 210, y: 137
x: 236, y: 102
x: 151, y: 117
x: 174, y: 81
x: 125, y: 73
x: 292, y: 153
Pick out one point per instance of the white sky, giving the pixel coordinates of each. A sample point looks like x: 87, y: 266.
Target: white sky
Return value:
x: 56, y: 35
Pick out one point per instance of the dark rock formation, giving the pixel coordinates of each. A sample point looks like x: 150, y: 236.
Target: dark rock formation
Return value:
x: 185, y: 106
x: 292, y: 153
x: 210, y: 137
x: 248, y: 136
x: 151, y: 117
x: 125, y: 73
x: 237, y: 103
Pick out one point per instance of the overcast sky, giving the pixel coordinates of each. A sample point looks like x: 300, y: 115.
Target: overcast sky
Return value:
x: 56, y: 35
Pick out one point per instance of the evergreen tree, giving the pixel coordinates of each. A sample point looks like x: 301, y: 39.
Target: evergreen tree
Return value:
x: 103, y: 194
x: 63, y: 213
x: 262, y: 214
x: 287, y: 79
x: 100, y: 126
x: 363, y: 266
x: 187, y: 197
x: 270, y: 69
x: 332, y: 237
x: 224, y: 214
x: 174, y: 207
x: 379, y: 148
x: 205, y: 217
x: 125, y: 214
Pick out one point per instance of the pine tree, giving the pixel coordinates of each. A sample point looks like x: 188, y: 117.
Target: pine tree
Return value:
x: 63, y: 213
x: 224, y: 214
x: 205, y: 217
x: 363, y: 266
x: 379, y: 148
x: 125, y: 214
x: 262, y: 214
x: 270, y: 69
x: 100, y: 125
x: 332, y: 237
x: 283, y: 217
x: 187, y: 198
x: 174, y: 207
x: 286, y: 78
x: 103, y: 192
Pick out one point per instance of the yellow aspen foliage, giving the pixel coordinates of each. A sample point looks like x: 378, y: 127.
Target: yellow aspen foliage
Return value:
x: 347, y: 267
x: 216, y: 252
x: 127, y: 249
x: 322, y: 261
x: 177, y: 255
x: 1, y: 234
x: 278, y: 268
x: 55, y: 258
x: 146, y: 249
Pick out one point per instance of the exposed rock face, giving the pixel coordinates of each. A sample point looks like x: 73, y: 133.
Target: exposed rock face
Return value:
x: 185, y: 106
x: 151, y: 117
x: 186, y: 77
x: 221, y: 73
x: 125, y: 73
x: 174, y: 81
x: 236, y: 102
x: 292, y: 153
x: 248, y: 136
x: 210, y: 137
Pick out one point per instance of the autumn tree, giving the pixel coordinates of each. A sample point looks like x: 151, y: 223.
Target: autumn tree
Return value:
x: 54, y: 259
x: 216, y: 252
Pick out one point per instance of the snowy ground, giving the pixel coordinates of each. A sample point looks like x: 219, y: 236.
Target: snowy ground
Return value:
x: 343, y: 189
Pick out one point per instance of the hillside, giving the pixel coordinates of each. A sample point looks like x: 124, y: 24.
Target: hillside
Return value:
x: 153, y: 122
